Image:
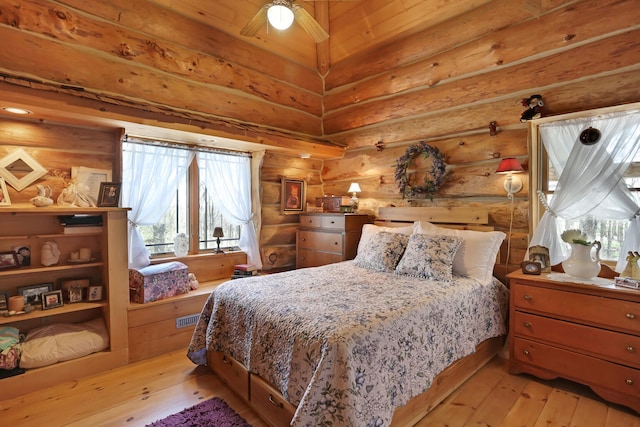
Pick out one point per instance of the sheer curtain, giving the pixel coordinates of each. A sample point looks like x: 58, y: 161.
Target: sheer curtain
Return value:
x: 228, y: 181
x: 590, y: 180
x: 150, y: 178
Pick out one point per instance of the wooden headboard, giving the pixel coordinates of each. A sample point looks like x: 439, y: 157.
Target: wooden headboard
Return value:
x: 455, y: 217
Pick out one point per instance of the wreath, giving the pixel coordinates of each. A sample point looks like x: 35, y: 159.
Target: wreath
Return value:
x: 432, y: 180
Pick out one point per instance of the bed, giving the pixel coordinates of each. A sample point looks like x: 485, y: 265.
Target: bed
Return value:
x: 375, y: 341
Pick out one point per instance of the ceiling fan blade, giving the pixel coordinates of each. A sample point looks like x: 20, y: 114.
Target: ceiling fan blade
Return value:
x: 310, y: 25
x: 258, y: 20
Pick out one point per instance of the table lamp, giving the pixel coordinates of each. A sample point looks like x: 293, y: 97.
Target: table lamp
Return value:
x: 354, y: 189
x: 217, y: 233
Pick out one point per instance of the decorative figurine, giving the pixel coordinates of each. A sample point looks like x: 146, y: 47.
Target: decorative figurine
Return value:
x: 50, y: 254
x: 43, y: 198
x: 534, y: 111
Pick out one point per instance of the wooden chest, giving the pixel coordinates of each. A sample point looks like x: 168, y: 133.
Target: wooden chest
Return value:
x: 325, y: 238
x: 583, y: 332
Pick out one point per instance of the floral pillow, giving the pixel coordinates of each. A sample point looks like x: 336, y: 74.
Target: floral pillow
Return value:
x: 382, y: 251
x: 429, y: 257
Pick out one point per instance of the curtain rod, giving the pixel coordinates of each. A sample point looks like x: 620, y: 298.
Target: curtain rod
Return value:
x: 174, y: 144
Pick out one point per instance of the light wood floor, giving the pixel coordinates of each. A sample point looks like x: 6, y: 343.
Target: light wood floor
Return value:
x: 143, y: 392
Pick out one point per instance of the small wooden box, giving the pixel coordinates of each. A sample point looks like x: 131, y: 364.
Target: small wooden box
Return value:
x: 333, y: 203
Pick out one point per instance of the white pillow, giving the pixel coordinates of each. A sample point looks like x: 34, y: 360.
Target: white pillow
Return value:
x: 369, y: 230
x: 476, y: 256
x: 429, y: 257
x: 63, y: 341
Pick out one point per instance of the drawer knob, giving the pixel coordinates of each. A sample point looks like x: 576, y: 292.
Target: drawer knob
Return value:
x: 333, y: 222
x: 304, y: 240
x: 630, y: 348
x: 527, y: 324
x: 527, y: 297
x: 335, y: 243
x: 629, y: 381
x: 526, y: 352
x: 631, y: 316
x: 273, y: 402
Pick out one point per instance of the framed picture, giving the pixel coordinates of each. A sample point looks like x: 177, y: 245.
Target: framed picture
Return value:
x: 20, y: 170
x: 540, y: 254
x: 8, y: 259
x: 32, y: 294
x: 52, y: 299
x: 24, y: 255
x: 92, y: 178
x: 109, y: 195
x: 95, y: 293
x: 4, y: 301
x: 4, y: 195
x: 292, y: 195
x: 75, y: 295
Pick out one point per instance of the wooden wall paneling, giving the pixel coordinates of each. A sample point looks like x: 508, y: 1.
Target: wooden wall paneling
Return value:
x: 454, y: 32
x: 582, y: 94
x: 500, y: 48
x: 501, y: 82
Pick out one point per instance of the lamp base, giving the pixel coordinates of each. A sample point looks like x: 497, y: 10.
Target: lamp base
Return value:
x: 512, y: 184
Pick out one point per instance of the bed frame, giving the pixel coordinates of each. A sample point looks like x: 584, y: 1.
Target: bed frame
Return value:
x: 276, y: 411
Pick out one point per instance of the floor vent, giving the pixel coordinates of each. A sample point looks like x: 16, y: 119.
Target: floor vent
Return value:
x: 184, y: 321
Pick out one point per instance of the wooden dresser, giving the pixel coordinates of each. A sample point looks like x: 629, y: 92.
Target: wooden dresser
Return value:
x: 586, y: 333
x: 325, y: 238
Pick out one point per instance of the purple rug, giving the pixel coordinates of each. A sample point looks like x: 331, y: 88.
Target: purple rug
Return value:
x: 210, y: 413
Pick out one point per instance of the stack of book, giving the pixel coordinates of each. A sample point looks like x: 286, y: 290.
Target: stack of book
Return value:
x: 244, y: 270
x: 79, y: 224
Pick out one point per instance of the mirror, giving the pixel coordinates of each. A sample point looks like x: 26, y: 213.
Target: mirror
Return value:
x: 20, y: 170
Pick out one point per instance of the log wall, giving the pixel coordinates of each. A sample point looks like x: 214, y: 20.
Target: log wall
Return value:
x: 446, y: 87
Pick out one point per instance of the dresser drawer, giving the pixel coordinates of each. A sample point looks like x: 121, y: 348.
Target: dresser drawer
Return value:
x: 598, y: 374
x: 311, y: 258
x: 269, y: 403
x: 320, y: 241
x: 589, y: 309
x: 613, y: 346
x: 231, y: 372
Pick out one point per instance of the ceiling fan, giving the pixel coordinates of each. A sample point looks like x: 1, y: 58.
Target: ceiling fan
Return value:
x: 280, y: 14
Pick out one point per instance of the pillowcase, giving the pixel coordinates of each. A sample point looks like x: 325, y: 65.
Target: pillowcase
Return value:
x: 382, y: 251
x: 476, y: 256
x: 429, y: 257
x: 370, y: 230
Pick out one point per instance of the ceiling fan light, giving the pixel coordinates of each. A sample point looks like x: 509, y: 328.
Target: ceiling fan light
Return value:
x: 280, y: 17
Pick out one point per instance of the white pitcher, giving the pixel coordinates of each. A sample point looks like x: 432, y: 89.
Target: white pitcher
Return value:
x: 581, y: 263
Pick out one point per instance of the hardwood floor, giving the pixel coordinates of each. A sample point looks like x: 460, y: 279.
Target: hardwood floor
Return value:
x: 145, y: 391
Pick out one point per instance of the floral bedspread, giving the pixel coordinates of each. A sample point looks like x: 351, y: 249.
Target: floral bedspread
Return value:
x: 344, y: 344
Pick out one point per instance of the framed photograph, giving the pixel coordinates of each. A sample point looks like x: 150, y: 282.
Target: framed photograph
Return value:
x: 32, y: 294
x: 540, y: 254
x: 530, y: 267
x: 292, y: 195
x: 75, y: 295
x: 95, y: 293
x: 8, y: 259
x: 4, y: 195
x: 24, y: 255
x: 4, y: 301
x: 109, y: 195
x: 52, y: 299
x: 91, y: 177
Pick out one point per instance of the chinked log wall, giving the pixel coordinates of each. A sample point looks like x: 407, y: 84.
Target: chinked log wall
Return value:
x: 446, y: 84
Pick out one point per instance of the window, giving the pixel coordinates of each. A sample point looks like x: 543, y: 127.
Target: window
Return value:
x: 599, y: 188
x: 159, y: 237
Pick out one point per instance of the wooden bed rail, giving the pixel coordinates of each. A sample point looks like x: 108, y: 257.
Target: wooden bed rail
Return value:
x: 458, y: 217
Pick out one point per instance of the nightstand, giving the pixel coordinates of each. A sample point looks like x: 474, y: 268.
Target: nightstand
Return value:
x: 325, y: 238
x: 582, y: 332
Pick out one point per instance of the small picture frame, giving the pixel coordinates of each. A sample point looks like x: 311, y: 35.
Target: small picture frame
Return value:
x: 23, y: 253
x: 95, y: 293
x: 52, y: 299
x: 530, y: 267
x: 109, y: 194
x: 4, y: 194
x: 8, y: 259
x: 293, y: 196
x: 4, y: 301
x: 540, y: 254
x: 75, y: 295
x: 33, y: 293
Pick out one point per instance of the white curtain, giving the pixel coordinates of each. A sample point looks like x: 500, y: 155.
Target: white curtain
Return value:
x: 150, y: 179
x: 228, y: 182
x: 590, y: 176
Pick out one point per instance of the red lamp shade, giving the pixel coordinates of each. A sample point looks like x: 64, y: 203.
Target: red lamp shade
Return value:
x: 509, y: 165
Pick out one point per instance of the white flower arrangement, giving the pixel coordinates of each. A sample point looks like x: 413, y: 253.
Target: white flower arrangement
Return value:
x: 575, y: 236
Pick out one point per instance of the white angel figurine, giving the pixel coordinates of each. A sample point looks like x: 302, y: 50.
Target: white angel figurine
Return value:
x: 50, y: 254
